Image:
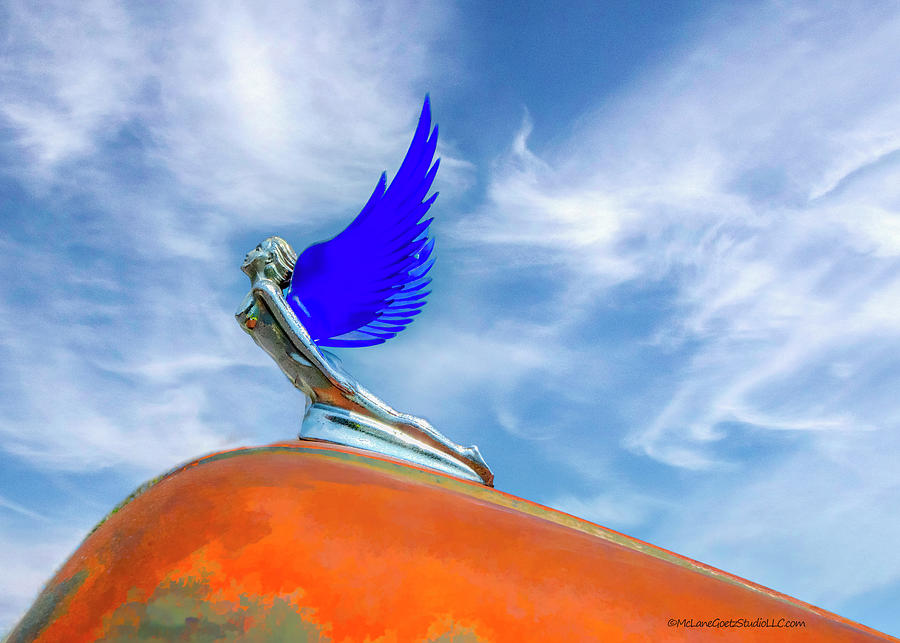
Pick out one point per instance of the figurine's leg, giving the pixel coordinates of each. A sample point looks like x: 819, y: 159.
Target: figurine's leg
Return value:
x: 383, y: 412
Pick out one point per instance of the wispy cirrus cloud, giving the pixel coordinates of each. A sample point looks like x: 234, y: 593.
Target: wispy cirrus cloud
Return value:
x: 142, y: 148
x: 748, y: 192
x: 248, y: 110
x: 756, y: 176
x: 152, y: 141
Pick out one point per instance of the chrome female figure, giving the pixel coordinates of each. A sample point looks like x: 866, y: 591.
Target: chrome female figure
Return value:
x: 358, y: 289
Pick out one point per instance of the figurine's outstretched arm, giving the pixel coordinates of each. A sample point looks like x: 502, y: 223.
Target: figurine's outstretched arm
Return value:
x: 270, y: 294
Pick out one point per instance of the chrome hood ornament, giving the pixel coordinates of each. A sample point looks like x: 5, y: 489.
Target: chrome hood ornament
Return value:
x: 358, y: 289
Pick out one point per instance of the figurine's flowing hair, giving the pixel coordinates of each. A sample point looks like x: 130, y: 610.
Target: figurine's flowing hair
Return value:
x: 285, y: 260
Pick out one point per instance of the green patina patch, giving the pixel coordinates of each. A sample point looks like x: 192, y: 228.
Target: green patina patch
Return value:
x: 457, y: 634
x: 45, y: 608
x: 183, y: 610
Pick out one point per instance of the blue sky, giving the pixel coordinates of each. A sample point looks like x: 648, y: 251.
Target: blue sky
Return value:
x: 667, y: 282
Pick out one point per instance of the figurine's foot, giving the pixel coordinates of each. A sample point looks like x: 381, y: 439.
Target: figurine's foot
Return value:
x: 472, y: 453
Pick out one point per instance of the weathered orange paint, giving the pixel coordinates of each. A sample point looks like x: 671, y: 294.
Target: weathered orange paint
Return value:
x: 344, y: 546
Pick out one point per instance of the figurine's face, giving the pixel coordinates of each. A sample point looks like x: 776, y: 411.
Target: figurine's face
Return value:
x: 263, y: 260
x: 256, y: 260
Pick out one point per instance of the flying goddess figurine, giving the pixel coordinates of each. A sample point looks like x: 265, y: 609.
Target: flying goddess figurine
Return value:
x: 358, y: 289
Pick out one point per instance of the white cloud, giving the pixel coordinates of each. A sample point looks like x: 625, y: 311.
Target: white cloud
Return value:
x: 758, y: 174
x: 70, y: 75
x: 273, y: 114
x: 287, y: 108
x: 235, y: 117
x: 757, y: 177
x: 19, y: 509
x: 813, y: 526
x: 146, y: 141
x: 529, y: 204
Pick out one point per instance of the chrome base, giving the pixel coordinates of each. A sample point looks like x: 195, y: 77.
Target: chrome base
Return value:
x: 340, y: 426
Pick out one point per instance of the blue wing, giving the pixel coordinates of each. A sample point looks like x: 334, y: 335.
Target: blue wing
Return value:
x: 366, y: 284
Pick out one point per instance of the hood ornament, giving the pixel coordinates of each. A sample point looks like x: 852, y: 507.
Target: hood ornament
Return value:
x: 358, y: 289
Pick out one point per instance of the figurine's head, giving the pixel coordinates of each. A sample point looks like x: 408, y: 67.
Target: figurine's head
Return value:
x: 273, y: 258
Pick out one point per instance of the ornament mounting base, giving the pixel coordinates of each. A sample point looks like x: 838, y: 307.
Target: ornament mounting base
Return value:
x: 340, y: 426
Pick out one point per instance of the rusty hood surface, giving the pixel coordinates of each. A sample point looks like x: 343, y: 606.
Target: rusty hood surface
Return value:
x: 305, y: 541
